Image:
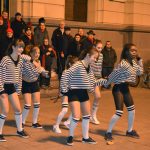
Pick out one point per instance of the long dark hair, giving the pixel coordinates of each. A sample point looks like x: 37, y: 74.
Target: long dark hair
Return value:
x: 126, y: 53
x: 89, y: 51
x: 17, y: 42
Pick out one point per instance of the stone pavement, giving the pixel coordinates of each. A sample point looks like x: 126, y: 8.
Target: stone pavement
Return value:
x: 45, y: 139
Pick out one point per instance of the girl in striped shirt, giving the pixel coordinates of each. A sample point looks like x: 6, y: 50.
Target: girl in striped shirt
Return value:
x: 97, y: 70
x: 30, y: 86
x: 69, y: 62
x: 12, y: 70
x: 78, y: 81
x: 130, y: 66
x: 3, y: 104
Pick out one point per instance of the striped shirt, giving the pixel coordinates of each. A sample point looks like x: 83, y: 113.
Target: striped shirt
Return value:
x: 77, y: 77
x: 2, y: 79
x: 13, y: 70
x: 97, y: 66
x: 30, y: 72
x: 125, y: 72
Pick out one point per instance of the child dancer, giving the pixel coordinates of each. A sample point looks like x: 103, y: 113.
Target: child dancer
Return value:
x: 69, y: 62
x: 126, y: 72
x: 30, y: 86
x: 12, y: 68
x: 97, y: 70
x: 79, y: 79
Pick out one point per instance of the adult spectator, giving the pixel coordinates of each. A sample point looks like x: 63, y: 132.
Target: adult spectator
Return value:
x: 6, y: 20
x: 57, y: 42
x: 89, y: 41
x: 27, y: 37
x: 6, y: 42
x: 75, y: 46
x: 109, y: 59
x: 81, y: 33
x: 67, y: 39
x: 18, y: 25
x: 40, y: 32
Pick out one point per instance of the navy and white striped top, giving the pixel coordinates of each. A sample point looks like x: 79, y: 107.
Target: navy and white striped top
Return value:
x: 13, y: 70
x: 97, y: 66
x: 2, y: 78
x: 125, y: 72
x: 30, y: 72
x: 77, y: 77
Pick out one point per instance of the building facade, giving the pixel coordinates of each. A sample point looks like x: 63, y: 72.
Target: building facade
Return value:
x: 119, y: 21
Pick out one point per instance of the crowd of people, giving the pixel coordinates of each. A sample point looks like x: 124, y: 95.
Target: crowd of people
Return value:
x: 83, y: 65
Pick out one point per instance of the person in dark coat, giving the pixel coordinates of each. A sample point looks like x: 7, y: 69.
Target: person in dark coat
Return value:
x: 75, y: 46
x: 18, y: 25
x: 57, y: 42
x: 67, y: 40
x: 109, y: 59
x: 81, y: 33
x: 48, y: 61
x: 89, y: 41
x: 6, y: 21
x: 27, y: 37
x: 6, y: 42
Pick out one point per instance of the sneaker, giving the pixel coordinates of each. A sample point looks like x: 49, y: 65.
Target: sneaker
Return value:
x: 89, y: 140
x: 56, y: 129
x: 108, y: 136
x: 133, y: 134
x: 67, y: 124
x: 70, y: 141
x: 37, y: 125
x: 22, y: 134
x: 94, y: 120
x: 2, y: 139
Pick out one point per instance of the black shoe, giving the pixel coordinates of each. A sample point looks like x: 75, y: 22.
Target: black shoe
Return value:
x: 70, y: 141
x: 37, y: 125
x: 22, y: 134
x: 108, y: 136
x: 133, y: 134
x: 2, y: 139
x: 89, y: 140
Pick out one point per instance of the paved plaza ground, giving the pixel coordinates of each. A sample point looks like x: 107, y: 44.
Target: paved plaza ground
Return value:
x: 46, y: 139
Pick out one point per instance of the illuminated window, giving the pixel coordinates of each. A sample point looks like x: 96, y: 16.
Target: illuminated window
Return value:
x: 76, y: 10
x: 4, y: 5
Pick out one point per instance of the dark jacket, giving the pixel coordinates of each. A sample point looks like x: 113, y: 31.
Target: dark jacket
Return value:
x: 75, y: 48
x: 67, y: 40
x: 109, y: 57
x: 18, y: 27
x: 27, y: 40
x: 57, y: 40
x: 86, y: 43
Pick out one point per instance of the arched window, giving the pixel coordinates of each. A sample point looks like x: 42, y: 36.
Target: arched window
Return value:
x: 76, y: 10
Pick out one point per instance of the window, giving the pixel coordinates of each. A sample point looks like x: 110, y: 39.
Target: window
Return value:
x: 4, y: 5
x: 76, y: 10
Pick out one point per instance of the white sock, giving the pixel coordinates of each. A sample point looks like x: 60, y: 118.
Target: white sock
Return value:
x: 62, y: 114
x: 36, y: 112
x: 18, y: 117
x: 73, y: 125
x: 69, y: 119
x: 114, y: 119
x: 131, y: 115
x: 85, y: 126
x: 94, y: 109
x: 25, y: 113
x: 2, y: 121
